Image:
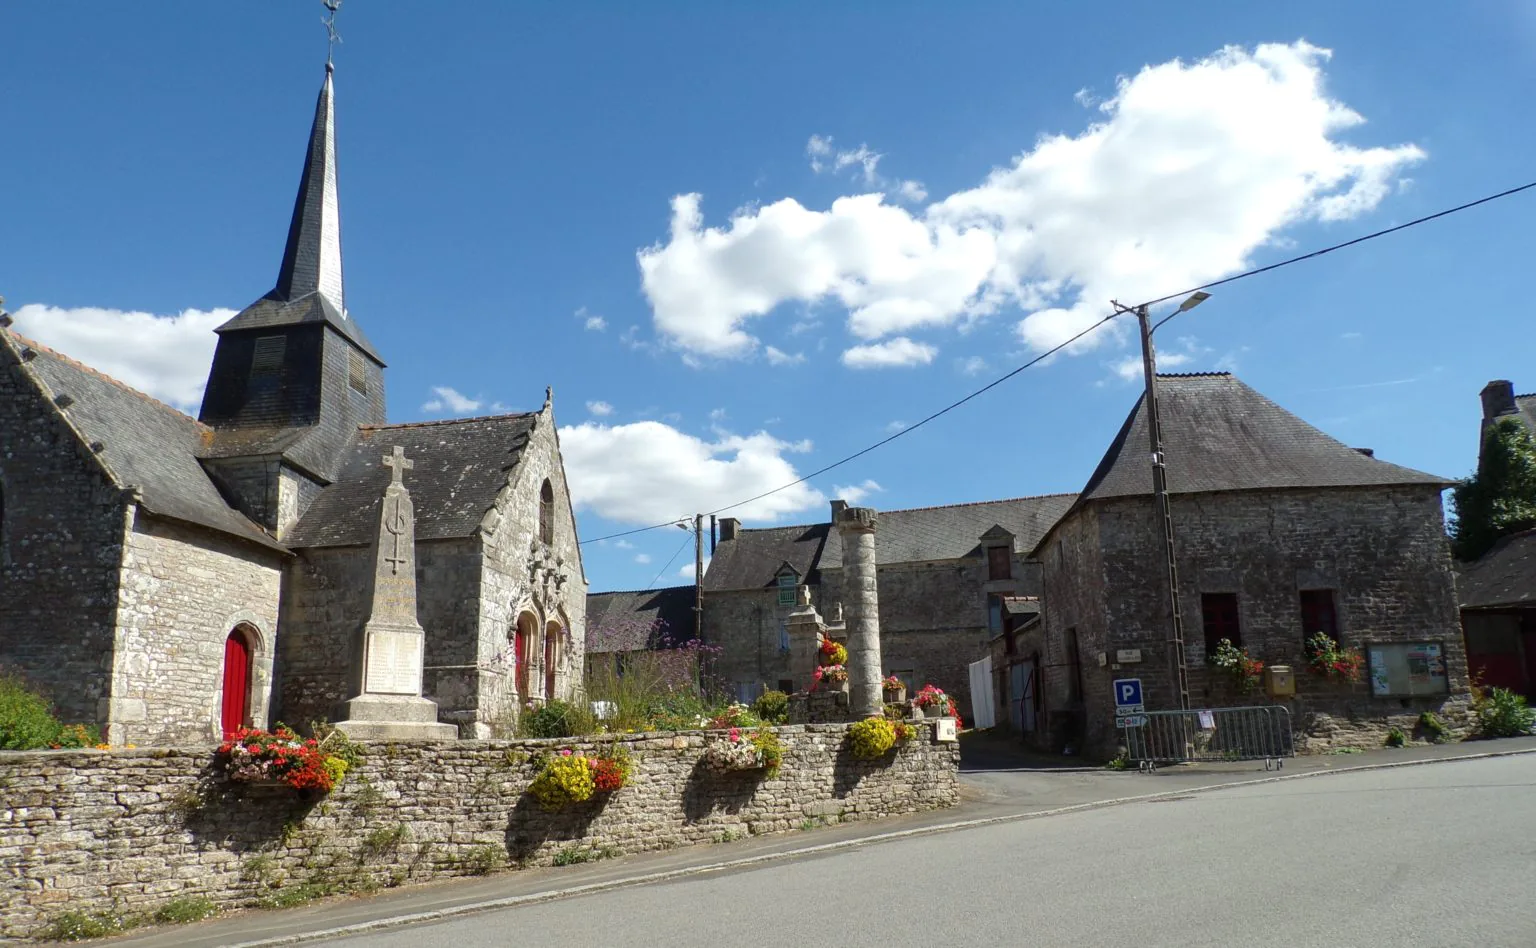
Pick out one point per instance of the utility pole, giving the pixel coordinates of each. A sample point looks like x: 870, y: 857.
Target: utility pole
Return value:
x: 698, y: 576
x: 1160, y: 485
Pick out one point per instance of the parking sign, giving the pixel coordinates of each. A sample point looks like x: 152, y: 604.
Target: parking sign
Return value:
x: 1128, y: 696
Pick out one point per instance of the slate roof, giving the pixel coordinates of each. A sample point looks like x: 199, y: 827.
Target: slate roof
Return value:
x: 460, y: 467
x: 148, y: 446
x: 1504, y: 576
x: 628, y: 621
x: 1221, y: 435
x: 1526, y: 409
x: 751, y: 560
x: 952, y: 532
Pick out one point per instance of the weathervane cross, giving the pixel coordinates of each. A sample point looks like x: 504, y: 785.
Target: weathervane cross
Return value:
x: 331, y: 36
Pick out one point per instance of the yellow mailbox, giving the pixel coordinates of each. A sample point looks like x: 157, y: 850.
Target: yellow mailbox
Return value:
x: 1278, y: 681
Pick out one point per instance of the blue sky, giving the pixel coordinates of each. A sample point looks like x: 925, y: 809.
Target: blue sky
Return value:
x: 509, y: 176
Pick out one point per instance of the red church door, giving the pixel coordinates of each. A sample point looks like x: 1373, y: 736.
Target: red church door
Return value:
x: 237, y: 682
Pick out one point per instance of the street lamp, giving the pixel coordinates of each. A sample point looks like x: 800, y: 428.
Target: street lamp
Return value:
x: 1160, y: 482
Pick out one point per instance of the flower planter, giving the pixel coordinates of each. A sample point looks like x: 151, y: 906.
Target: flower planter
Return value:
x: 725, y: 758
x: 894, y: 695
x: 930, y: 713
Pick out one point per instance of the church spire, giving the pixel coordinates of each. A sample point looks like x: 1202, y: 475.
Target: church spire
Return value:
x: 312, y: 258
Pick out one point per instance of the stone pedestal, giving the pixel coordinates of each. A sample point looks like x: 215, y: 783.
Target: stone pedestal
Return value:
x: 805, y: 629
x: 389, y: 705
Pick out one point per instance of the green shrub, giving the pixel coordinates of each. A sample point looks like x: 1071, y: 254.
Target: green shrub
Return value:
x: 872, y: 738
x: 1396, y: 737
x: 1502, y: 713
x: 771, y: 749
x: 772, y: 707
x: 484, y: 860
x: 556, y: 719
x: 26, y: 719
x: 188, y: 908
x: 78, y: 926
x: 1433, y: 728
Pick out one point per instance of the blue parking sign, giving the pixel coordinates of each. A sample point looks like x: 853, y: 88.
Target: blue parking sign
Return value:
x: 1128, y: 693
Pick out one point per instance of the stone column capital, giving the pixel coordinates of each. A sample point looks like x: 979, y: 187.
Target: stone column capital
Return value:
x: 857, y: 520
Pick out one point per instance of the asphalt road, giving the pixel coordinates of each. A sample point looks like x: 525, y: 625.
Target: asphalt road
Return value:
x: 1438, y: 855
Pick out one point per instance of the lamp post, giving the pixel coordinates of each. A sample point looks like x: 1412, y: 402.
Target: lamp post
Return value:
x: 1160, y: 483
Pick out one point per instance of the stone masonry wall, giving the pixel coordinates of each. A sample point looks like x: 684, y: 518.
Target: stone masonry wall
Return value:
x: 745, y: 625
x: 1382, y: 551
x: 183, y: 591
x: 61, y: 543
x: 91, y: 831
x: 523, y: 574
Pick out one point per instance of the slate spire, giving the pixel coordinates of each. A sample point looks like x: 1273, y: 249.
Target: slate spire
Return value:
x: 312, y: 258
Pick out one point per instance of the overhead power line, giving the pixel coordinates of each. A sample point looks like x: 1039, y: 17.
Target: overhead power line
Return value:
x: 1311, y: 255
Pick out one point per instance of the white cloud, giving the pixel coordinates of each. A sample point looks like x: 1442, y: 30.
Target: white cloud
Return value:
x: 642, y: 558
x: 447, y: 399
x: 166, y: 357
x: 591, y: 321
x: 686, y: 571
x: 1185, y: 350
x: 910, y: 191
x: 1186, y: 172
x: 1085, y: 98
x: 623, y: 544
x: 600, y: 408
x: 975, y: 365
x: 780, y: 357
x: 648, y: 472
x: 893, y: 352
x: 895, y: 426
x: 856, y: 493
x: 824, y: 157
x: 717, y: 414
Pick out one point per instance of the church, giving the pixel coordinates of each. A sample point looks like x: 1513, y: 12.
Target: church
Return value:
x: 288, y: 554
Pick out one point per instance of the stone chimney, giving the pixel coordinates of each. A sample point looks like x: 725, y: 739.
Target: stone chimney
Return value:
x: 862, y: 590
x: 728, y: 528
x: 838, y: 506
x: 1498, y: 398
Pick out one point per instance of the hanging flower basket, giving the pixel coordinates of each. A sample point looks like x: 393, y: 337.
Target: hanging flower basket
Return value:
x: 1327, y: 659
x: 833, y: 653
x: 742, y: 751
x: 279, y: 759
x: 893, y: 690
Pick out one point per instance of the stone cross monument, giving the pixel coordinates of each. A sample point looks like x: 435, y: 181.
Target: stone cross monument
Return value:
x: 861, y: 588
x: 389, y: 705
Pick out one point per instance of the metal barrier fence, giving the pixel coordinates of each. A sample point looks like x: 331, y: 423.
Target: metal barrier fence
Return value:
x: 1211, y: 734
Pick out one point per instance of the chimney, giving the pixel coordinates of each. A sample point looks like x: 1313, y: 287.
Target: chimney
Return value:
x: 728, y: 528
x: 1498, y: 398
x: 1368, y: 452
x: 838, y: 506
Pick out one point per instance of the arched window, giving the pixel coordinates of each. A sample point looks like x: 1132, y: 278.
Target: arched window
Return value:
x: 547, y: 514
x: 235, y: 708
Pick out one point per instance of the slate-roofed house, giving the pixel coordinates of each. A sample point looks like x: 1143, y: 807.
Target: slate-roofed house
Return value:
x: 943, y: 573
x: 621, y: 625
x: 170, y: 578
x: 1498, y: 590
x: 1281, y: 532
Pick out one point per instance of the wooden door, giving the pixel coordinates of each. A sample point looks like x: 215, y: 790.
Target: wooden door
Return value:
x: 237, y: 682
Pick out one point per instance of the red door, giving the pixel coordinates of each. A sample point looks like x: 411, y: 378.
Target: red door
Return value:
x: 550, y: 646
x: 237, y: 682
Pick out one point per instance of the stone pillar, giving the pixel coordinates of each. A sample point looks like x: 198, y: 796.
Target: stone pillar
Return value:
x: 862, y: 594
x: 389, y: 705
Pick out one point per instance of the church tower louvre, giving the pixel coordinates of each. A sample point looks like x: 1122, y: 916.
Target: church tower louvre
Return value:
x: 293, y: 375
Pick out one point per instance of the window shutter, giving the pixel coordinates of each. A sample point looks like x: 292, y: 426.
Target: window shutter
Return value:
x: 357, y: 373
x: 267, y: 357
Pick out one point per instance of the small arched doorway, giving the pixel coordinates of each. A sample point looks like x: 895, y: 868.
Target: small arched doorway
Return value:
x: 235, y: 707
x: 523, y: 642
x: 552, y: 633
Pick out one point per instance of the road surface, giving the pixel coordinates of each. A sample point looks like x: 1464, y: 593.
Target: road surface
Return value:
x: 1438, y: 855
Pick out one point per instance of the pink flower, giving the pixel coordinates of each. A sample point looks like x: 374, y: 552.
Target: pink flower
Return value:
x: 735, y: 734
x: 566, y: 752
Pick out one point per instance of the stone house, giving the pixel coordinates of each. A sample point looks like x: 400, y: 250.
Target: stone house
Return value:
x: 1281, y: 532
x: 944, y: 576
x: 171, y: 578
x: 624, y: 625
x: 1498, y: 590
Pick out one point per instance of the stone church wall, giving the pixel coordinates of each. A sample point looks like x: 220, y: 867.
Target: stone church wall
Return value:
x: 132, y: 830
x: 61, y: 543
x: 183, y: 591
x: 1382, y: 551
x: 523, y: 574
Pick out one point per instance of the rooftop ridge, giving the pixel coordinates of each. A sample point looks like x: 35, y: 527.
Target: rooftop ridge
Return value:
x: 882, y: 510
x: 33, y: 344
x: 636, y: 592
x: 1194, y: 375
x: 446, y: 421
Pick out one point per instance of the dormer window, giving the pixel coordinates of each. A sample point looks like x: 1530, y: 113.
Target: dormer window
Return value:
x: 786, y: 583
x: 999, y: 562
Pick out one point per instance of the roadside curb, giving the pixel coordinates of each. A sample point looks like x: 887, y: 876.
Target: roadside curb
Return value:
x: 360, y: 928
